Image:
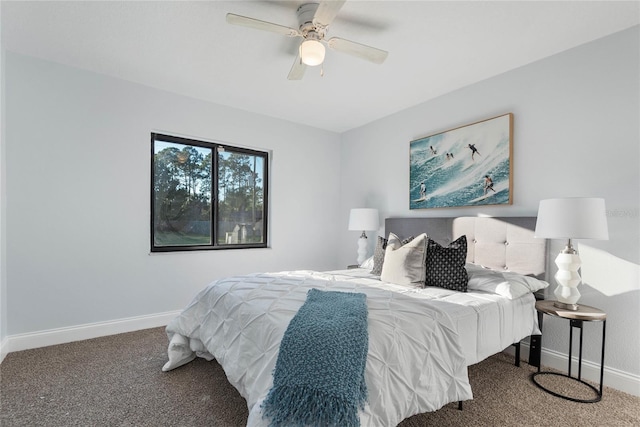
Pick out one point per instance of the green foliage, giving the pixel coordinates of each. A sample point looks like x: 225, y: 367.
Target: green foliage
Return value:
x: 182, y: 186
x: 240, y: 192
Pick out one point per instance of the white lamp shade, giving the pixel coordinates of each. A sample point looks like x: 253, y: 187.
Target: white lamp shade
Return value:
x: 312, y: 52
x: 572, y: 218
x: 363, y: 219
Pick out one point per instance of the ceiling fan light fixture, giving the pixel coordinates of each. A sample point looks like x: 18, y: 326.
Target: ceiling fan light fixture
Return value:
x: 312, y: 52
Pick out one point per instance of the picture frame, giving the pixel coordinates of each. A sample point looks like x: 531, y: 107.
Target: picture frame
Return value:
x: 470, y: 165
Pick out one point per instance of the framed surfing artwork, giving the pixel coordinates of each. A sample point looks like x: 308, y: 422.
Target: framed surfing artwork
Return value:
x: 467, y: 166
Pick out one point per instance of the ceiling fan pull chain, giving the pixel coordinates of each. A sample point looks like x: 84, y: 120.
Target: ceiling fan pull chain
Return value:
x: 322, y: 70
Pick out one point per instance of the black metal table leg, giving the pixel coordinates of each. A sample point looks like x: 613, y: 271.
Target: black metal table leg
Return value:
x: 576, y: 320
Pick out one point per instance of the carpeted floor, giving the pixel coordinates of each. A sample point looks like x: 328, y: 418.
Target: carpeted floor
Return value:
x: 117, y: 381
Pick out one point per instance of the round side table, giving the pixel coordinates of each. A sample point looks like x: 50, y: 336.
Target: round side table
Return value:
x: 576, y: 318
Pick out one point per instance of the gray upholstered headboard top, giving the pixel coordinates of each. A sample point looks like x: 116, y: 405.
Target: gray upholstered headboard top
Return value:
x: 504, y: 243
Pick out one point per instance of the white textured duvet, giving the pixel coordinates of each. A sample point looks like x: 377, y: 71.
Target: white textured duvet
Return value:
x: 420, y: 340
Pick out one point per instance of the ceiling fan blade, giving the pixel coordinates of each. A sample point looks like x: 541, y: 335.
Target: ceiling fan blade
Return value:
x: 356, y: 49
x: 244, y: 21
x: 327, y: 11
x: 297, y: 70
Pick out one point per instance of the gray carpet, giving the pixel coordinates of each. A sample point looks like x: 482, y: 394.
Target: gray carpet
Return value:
x: 117, y: 381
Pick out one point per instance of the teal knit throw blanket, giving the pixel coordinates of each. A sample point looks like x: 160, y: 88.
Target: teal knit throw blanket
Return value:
x: 319, y: 375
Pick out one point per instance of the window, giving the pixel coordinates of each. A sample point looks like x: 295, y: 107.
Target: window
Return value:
x: 206, y: 195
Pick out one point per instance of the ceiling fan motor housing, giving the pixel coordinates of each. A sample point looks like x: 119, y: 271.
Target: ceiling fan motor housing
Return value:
x: 309, y: 30
x: 305, y: 13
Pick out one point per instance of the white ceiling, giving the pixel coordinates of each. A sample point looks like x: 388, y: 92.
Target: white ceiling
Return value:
x: 186, y: 47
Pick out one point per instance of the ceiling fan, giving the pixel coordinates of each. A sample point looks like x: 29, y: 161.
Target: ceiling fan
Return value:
x: 314, y: 20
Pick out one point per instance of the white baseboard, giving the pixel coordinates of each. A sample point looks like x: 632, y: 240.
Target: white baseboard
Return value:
x: 3, y: 349
x: 82, y: 332
x: 614, y: 378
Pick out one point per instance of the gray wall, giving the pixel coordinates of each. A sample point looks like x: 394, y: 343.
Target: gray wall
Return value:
x: 3, y: 280
x: 77, y: 194
x: 576, y: 133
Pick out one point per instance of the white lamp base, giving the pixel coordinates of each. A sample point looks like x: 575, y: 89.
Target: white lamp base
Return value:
x: 568, y: 279
x: 362, y: 248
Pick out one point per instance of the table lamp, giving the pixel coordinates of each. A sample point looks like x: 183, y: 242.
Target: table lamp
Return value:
x: 571, y: 218
x: 363, y: 219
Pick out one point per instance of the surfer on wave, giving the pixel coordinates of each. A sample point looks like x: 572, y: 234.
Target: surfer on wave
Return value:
x: 488, y: 184
x: 474, y: 151
x: 423, y: 191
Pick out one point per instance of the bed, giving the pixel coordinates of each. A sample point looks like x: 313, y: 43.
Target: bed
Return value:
x: 421, y: 340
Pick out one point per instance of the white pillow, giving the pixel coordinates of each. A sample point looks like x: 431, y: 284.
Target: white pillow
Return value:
x: 506, y: 283
x: 367, y: 263
x: 405, y: 264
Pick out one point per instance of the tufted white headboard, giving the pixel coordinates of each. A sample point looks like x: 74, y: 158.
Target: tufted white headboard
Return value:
x: 503, y: 243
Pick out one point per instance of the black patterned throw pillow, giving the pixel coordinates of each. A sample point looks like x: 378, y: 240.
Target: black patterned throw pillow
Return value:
x: 378, y: 256
x: 445, y: 266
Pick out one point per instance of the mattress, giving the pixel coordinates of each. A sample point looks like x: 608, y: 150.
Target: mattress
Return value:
x: 486, y: 322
